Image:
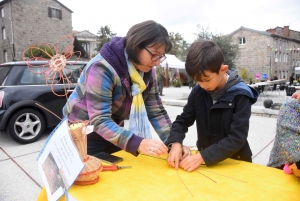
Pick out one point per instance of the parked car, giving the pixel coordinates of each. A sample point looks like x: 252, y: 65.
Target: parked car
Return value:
x: 26, y: 99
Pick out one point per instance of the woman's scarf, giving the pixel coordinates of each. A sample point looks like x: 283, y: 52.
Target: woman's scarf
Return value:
x: 138, y: 119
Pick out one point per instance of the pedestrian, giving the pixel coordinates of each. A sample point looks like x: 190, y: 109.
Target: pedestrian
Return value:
x: 190, y: 81
x: 292, y: 79
x: 275, y: 77
x: 274, y: 85
x: 221, y: 106
x: 160, y: 75
x: 119, y: 83
x: 286, y: 145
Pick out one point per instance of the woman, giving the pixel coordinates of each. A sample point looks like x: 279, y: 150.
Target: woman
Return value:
x: 119, y: 83
x: 287, y: 140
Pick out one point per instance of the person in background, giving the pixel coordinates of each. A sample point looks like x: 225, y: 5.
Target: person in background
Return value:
x: 190, y: 81
x: 274, y: 85
x: 160, y: 76
x: 221, y: 106
x: 275, y: 77
x: 119, y: 83
x: 286, y: 146
x: 292, y: 79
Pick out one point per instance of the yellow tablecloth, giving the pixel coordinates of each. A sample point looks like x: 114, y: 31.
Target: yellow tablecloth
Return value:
x: 152, y: 179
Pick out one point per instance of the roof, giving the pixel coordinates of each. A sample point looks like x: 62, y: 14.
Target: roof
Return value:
x: 252, y: 30
x: 263, y: 33
x: 173, y: 62
x: 84, y: 33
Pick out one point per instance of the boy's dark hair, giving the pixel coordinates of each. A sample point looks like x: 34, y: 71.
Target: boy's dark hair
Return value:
x: 203, y: 55
x: 147, y: 33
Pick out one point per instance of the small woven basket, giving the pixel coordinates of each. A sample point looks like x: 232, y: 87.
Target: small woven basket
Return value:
x: 93, y: 166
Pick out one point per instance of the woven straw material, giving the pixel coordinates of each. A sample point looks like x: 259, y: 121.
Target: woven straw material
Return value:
x: 79, y: 139
x: 93, y: 166
x: 90, y: 173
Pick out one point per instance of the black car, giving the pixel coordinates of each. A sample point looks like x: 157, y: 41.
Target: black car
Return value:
x: 27, y: 103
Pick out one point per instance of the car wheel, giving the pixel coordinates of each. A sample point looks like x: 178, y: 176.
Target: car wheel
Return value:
x: 26, y: 126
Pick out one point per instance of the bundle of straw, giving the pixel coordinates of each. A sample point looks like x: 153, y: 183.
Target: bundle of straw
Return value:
x: 93, y: 166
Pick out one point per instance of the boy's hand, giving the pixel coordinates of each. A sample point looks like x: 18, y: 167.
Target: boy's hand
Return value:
x: 175, y: 155
x: 185, y: 152
x: 191, y: 162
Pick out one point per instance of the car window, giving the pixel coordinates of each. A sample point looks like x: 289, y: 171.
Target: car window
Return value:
x: 76, y: 71
x: 37, y: 75
x: 4, y: 70
x: 33, y: 76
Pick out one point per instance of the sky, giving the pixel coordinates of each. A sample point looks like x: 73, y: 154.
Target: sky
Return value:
x: 183, y: 16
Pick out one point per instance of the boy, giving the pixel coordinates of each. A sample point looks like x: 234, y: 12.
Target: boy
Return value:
x: 220, y: 104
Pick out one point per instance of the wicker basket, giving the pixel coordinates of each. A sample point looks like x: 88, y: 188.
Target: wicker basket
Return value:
x: 93, y: 166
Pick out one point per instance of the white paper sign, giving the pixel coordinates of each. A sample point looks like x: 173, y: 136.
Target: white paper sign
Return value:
x: 59, y: 162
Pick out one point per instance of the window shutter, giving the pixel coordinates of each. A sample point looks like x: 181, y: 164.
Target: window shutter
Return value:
x: 49, y: 12
x: 60, y: 14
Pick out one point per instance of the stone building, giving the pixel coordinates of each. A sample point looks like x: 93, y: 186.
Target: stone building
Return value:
x: 271, y: 52
x: 26, y: 22
x: 88, y: 41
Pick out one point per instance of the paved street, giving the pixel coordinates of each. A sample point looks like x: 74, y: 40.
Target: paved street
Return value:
x: 20, y: 180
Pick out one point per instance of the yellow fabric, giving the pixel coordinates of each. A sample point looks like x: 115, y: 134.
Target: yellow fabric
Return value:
x: 152, y: 179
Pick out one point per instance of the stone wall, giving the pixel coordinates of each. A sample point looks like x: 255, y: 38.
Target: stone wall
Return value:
x: 31, y: 23
x: 266, y: 53
x: 254, y: 54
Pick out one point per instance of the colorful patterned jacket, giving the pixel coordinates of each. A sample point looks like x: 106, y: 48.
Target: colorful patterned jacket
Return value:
x: 103, y: 96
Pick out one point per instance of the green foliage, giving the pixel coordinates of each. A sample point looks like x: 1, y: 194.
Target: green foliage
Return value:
x: 78, y: 47
x: 180, y: 46
x: 105, y: 35
x: 40, y: 51
x: 245, y: 75
x: 226, y: 44
x: 176, y: 82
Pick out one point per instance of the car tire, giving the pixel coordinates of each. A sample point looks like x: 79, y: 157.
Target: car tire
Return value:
x: 26, y: 126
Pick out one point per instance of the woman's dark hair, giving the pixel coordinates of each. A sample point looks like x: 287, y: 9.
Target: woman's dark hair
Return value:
x: 147, y: 33
x: 203, y: 55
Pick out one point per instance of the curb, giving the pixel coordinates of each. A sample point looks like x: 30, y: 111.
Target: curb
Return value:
x: 254, y: 109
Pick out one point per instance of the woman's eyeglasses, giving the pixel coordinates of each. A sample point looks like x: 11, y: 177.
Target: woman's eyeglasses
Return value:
x: 156, y: 57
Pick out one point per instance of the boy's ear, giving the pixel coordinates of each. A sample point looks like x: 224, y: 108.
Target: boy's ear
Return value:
x: 223, y: 69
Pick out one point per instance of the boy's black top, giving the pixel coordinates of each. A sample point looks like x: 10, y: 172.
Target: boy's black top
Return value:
x: 222, y: 128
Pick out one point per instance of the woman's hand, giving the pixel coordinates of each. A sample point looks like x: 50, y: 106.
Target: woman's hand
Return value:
x: 191, y: 162
x: 152, y: 147
x: 296, y: 95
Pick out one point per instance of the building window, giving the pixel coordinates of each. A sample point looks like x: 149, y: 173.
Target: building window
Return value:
x: 54, y: 13
x: 5, y: 55
x: 242, y: 41
x: 3, y: 34
x: 280, y: 57
x: 2, y: 12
